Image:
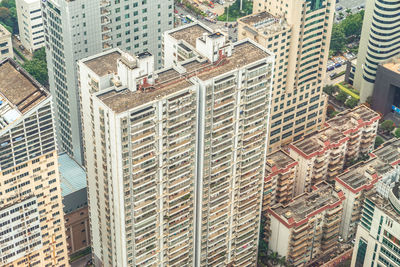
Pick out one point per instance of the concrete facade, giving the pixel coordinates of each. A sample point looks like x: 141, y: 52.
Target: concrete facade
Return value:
x: 30, y: 24
x: 78, y: 29
x: 298, y: 33
x: 6, y: 49
x: 386, y: 86
x: 181, y: 134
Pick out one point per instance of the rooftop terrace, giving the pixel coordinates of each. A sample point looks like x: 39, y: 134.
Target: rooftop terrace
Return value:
x: 302, y: 206
x: 351, y: 119
x: 19, y: 92
x: 264, y: 23
x: 169, y: 80
x: 189, y: 34
x: 317, y: 141
x: 384, y: 205
x: 389, y: 152
x: 104, y: 64
x: 393, y: 64
x: 280, y: 159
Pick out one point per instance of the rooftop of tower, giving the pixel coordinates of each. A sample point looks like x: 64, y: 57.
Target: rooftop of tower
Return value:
x: 264, y: 23
x: 189, y: 34
x: 393, y: 64
x: 168, y: 81
x: 19, y: 92
x: 280, y: 159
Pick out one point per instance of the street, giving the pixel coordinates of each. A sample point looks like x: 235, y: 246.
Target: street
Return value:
x: 353, y: 5
x: 82, y: 261
x: 339, y: 79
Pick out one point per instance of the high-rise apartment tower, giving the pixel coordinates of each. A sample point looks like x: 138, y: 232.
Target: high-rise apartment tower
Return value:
x: 298, y: 33
x: 176, y: 157
x: 78, y: 29
x: 32, y: 229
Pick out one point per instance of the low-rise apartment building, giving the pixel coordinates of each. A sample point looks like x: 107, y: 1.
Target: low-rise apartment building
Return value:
x: 377, y: 240
x: 6, y: 49
x: 176, y: 157
x: 323, y: 154
x: 32, y: 231
x: 379, y: 173
x: 279, y: 179
x: 74, y: 193
x: 308, y: 226
x: 360, y: 125
x: 320, y: 157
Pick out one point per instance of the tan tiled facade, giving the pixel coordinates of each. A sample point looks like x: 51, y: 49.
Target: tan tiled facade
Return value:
x: 6, y: 49
x: 32, y: 229
x: 298, y: 33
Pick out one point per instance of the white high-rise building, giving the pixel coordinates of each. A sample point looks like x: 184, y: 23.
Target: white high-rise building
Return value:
x: 379, y: 42
x: 30, y: 24
x: 176, y: 157
x: 78, y: 29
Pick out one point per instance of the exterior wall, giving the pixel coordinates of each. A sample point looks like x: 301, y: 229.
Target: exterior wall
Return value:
x: 30, y: 175
x: 6, y: 49
x: 378, y: 42
x: 386, y: 84
x: 78, y: 29
x: 298, y: 101
x: 77, y: 226
x: 30, y: 24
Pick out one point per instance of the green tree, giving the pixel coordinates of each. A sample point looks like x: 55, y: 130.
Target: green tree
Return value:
x: 397, y: 133
x: 387, y: 126
x: 338, y: 39
x: 38, y: 69
x: 352, y: 25
x: 378, y: 141
x: 330, y: 89
x: 341, y: 97
x: 40, y: 54
x: 8, y: 3
x: 351, y: 103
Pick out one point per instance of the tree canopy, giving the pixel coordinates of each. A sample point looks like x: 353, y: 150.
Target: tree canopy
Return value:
x: 37, y: 67
x: 8, y: 15
x: 338, y: 39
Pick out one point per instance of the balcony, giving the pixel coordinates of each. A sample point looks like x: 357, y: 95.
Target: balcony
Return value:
x: 105, y: 20
x: 104, y: 3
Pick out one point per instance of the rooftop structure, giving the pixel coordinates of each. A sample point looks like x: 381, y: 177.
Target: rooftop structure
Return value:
x: 279, y: 160
x: 303, y: 207
x: 393, y: 64
x: 353, y: 120
x: 264, y: 23
x: 190, y: 33
x: 19, y: 92
x: 319, y: 142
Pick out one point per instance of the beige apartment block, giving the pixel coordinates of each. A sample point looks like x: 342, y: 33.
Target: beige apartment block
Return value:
x: 176, y: 157
x: 298, y: 33
x: 279, y: 179
x: 323, y: 154
x: 320, y: 157
x: 307, y: 227
x: 32, y: 229
x: 360, y: 125
x: 6, y: 49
